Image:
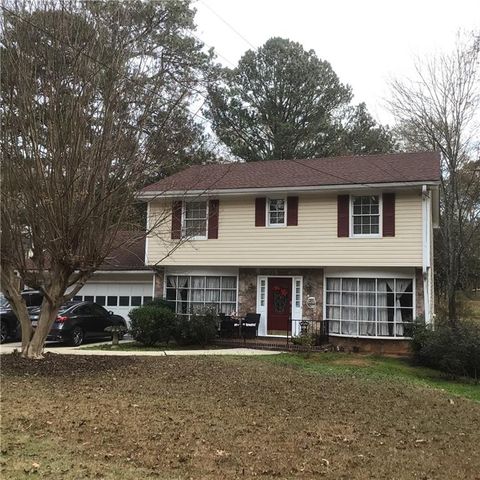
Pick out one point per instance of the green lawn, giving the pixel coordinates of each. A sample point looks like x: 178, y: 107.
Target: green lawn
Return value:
x: 376, y: 368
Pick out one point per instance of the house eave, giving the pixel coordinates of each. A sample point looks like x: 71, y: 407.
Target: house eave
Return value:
x: 151, y: 195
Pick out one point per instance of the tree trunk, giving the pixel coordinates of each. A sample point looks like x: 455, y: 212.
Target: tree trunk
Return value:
x: 34, y: 347
x: 48, y: 313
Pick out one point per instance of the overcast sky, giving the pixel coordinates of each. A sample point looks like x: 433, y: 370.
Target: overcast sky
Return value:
x: 366, y: 41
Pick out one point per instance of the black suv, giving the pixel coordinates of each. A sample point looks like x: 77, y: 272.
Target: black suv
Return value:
x: 77, y: 321
x: 9, y: 325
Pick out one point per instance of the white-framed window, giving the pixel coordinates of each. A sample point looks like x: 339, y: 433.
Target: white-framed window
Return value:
x: 263, y: 289
x: 298, y: 293
x: 370, y: 307
x: 276, y: 212
x: 365, y: 215
x: 196, y: 293
x: 195, y: 219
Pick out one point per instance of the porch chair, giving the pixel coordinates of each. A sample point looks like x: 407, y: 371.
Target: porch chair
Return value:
x: 250, y: 325
x: 227, y: 327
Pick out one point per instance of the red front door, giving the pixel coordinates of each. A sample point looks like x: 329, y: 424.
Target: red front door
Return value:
x: 279, y: 305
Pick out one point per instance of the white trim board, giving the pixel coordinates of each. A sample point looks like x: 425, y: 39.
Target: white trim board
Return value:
x: 305, y: 189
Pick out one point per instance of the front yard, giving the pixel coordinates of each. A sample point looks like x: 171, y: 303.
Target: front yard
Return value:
x: 284, y: 416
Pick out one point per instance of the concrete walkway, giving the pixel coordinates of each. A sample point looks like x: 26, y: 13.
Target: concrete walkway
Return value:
x: 53, y: 347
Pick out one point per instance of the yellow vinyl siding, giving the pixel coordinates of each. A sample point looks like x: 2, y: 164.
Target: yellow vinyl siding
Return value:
x: 313, y: 242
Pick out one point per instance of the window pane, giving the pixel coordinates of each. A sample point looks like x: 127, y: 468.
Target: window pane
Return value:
x: 349, y: 299
x: 334, y: 284
x: 228, y: 295
x: 227, y: 308
x: 212, y: 296
x: 100, y: 300
x: 366, y: 284
x: 124, y: 301
x: 349, y: 313
x: 334, y: 298
x: 348, y: 328
x: 136, y: 301
x: 366, y: 313
x: 196, y: 210
x: 88, y: 298
x: 112, y: 301
x: 334, y: 313
x: 147, y: 300
x: 213, y: 282
x: 197, y: 295
x: 334, y: 326
x: 367, y: 329
x: 349, y: 284
x: 385, y: 329
x: 366, y: 299
x: 77, y: 298
x: 198, y: 282
x: 229, y: 282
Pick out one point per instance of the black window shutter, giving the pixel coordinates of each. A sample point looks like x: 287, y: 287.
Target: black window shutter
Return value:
x: 176, y: 219
x: 260, y: 206
x: 213, y: 219
x: 292, y: 211
x: 343, y: 213
x: 388, y: 214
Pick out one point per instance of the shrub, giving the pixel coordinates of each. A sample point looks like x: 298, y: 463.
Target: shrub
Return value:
x: 199, y: 329
x: 151, y: 324
x: 455, y: 351
x: 162, y: 303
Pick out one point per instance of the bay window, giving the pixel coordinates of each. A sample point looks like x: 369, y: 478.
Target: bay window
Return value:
x: 366, y: 307
x: 196, y: 293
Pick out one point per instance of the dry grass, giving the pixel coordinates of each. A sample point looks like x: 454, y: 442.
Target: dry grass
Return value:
x: 226, y: 417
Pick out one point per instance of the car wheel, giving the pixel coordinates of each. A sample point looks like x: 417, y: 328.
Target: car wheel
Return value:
x: 76, y: 337
x: 3, y: 332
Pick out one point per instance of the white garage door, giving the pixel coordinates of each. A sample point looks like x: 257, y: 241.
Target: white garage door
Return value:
x: 117, y: 297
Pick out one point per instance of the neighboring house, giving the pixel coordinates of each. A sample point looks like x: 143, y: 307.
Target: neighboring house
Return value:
x: 347, y: 240
x: 123, y: 282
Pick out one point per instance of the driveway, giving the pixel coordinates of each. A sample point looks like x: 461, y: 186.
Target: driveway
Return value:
x: 57, y: 347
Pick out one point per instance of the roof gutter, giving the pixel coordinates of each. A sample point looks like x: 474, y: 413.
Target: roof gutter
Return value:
x: 308, y: 189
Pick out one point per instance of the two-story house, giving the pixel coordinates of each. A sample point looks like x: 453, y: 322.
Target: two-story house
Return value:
x: 347, y: 240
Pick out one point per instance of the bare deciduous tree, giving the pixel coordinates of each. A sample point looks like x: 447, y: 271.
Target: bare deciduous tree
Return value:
x: 79, y: 87
x: 439, y: 109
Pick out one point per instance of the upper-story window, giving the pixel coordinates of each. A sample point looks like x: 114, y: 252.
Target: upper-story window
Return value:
x: 195, y: 218
x: 365, y: 215
x: 276, y: 212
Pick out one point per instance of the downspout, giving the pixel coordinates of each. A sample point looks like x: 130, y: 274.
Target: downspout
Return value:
x: 426, y: 252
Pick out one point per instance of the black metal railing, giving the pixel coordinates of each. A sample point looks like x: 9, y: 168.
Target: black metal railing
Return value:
x: 307, y: 331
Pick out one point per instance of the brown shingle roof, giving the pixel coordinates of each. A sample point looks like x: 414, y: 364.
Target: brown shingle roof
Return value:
x: 128, y: 252
x: 359, y: 169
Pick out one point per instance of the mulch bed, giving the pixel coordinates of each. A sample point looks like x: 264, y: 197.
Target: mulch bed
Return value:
x: 219, y: 417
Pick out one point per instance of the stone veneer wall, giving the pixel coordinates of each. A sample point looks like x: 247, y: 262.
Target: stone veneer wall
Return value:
x: 159, y: 282
x: 312, y: 287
